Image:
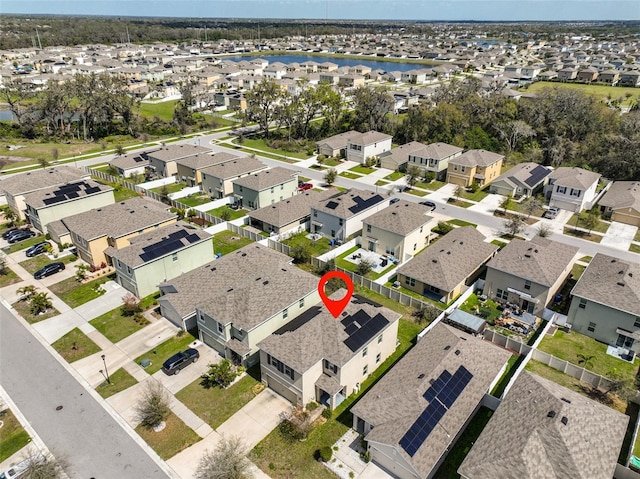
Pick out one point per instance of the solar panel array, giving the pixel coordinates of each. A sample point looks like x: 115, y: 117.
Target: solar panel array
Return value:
x: 70, y: 191
x: 361, y: 328
x: 172, y: 242
x: 361, y: 204
x: 536, y: 175
x: 442, y: 393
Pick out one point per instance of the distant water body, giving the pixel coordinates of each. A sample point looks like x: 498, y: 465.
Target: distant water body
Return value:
x: 341, y: 62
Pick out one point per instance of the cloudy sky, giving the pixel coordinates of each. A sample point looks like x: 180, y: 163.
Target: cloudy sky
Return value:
x: 341, y: 9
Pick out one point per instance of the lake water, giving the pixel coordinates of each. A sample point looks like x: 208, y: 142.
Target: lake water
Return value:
x: 342, y: 62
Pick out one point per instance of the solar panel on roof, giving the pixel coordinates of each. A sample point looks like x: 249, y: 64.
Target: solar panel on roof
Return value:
x: 366, y: 327
x: 361, y: 204
x: 93, y: 189
x: 332, y: 205
x: 536, y: 175
x: 422, y: 427
x: 455, y: 387
x: 437, y: 386
x: 160, y: 249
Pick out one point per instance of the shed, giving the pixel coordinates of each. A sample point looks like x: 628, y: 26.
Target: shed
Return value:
x: 466, y: 322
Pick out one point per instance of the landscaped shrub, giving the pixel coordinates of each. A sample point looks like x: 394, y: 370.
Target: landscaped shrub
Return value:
x: 443, y: 228
x: 325, y: 453
x: 312, y: 406
x: 327, y: 413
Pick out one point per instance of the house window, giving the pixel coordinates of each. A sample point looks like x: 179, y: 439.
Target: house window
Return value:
x: 378, y: 356
x: 285, y: 313
x: 379, y: 339
x: 582, y: 304
x: 288, y: 371
x: 341, y: 222
x: 282, y: 187
x: 462, y: 168
x: 575, y: 193
x: 315, y: 214
x: 415, y: 245
x: 301, y: 303
x: 365, y: 370
x: 421, y: 229
x: 174, y: 256
x: 501, y: 294
x: 368, y: 228
x: 272, y: 189
x: 592, y: 327
x: 409, y: 281
x: 330, y: 367
x: 455, y: 167
x: 391, y: 250
x: 636, y: 323
x: 527, y: 284
x: 333, y: 233
x: 561, y: 189
x: 220, y: 328
x: 364, y: 352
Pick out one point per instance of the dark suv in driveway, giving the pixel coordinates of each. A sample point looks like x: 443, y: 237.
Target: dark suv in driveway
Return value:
x: 37, y: 249
x: 48, y: 270
x: 21, y: 236
x: 179, y: 361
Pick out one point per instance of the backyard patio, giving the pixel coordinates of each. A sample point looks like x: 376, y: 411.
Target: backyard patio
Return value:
x: 379, y: 262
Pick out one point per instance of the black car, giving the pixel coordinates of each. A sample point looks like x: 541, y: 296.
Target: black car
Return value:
x: 48, y: 270
x: 430, y: 204
x: 21, y: 236
x: 37, y: 249
x: 394, y: 200
x: 179, y: 361
x: 10, y: 232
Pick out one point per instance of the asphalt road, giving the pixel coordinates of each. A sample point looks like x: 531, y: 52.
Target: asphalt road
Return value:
x: 91, y: 442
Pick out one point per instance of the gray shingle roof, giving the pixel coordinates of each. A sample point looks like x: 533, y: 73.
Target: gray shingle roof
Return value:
x: 291, y: 209
x: 401, y: 153
x: 396, y: 401
x: 266, y: 179
x: 368, y: 138
x: 525, y: 174
x: 63, y: 193
x: 622, y: 194
x: 316, y: 335
x: 175, y: 152
x: 199, y: 161
x: 522, y: 441
x: 402, y: 217
x: 22, y: 183
x: 130, y: 160
x: 337, y: 141
x: 438, y: 151
x: 234, y: 167
x: 244, y: 287
x: 540, y: 260
x: 611, y: 281
x: 350, y: 203
x: 118, y: 219
x: 477, y: 158
x: 574, y: 177
x: 451, y: 260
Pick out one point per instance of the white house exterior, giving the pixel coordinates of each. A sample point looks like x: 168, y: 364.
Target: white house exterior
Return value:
x: 572, y: 188
x: 362, y: 146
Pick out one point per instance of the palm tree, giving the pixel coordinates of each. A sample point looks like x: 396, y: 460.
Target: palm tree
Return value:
x: 586, y: 360
x: 39, y: 303
x: 26, y: 292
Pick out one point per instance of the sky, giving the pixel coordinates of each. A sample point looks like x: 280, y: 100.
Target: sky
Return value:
x: 479, y: 10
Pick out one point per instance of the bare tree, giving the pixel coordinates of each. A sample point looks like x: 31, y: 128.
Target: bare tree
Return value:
x: 153, y: 405
x: 513, y: 225
x: 40, y: 466
x: 543, y: 230
x: 513, y: 132
x: 227, y: 461
x: 532, y: 205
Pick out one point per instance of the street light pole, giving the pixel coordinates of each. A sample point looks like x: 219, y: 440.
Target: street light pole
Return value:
x: 105, y: 368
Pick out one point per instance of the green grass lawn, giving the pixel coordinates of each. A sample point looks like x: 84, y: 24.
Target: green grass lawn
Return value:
x: 76, y: 294
x: 571, y: 231
x: 416, y: 192
x: 490, y: 308
x: 227, y: 401
x: 351, y: 176
x: 170, y: 188
x: 22, y: 307
x: 512, y: 365
x: 432, y: 185
x: 460, y: 203
x: 175, y: 437
x: 381, y: 183
x: 413, y: 294
x: 165, y: 350
x: 396, y: 175
x: 115, y: 326
x: 577, y: 271
x: 599, y: 91
x: 522, y: 208
x: 233, y: 214
x: 226, y: 242
x: 316, y: 248
x: 13, y: 437
x: 479, y: 195
x: 120, y: 380
x: 586, y: 259
x: 344, y: 264
x: 499, y: 244
x: 194, y: 200
x: 457, y: 222
x: 364, y: 170
x: 34, y: 264
x: 331, y: 162
x: 162, y: 109
x: 75, y: 345
x: 634, y: 248
x: 8, y: 277
x: 600, y: 227
x: 260, y: 144
x: 20, y: 245
x: 568, y: 346
x: 384, y: 301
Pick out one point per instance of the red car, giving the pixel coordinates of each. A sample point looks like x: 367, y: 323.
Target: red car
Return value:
x: 305, y: 186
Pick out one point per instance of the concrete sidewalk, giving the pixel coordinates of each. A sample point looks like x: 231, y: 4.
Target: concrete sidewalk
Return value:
x: 619, y: 235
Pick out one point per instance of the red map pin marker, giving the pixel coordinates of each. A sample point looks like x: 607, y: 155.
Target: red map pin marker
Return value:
x: 335, y: 307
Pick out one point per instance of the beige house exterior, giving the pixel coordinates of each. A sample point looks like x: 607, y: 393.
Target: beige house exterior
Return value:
x: 160, y: 255
x: 335, y: 145
x: 189, y: 169
x: 474, y: 166
x: 363, y: 146
x: 606, y: 302
x: 621, y: 202
x: 434, y: 158
x: 529, y: 273
x: 265, y: 187
x: 52, y: 204
x: 163, y: 161
x: 239, y: 299
x: 217, y: 180
x: 397, y: 158
x: 400, y: 230
x: 443, y: 270
x: 324, y: 359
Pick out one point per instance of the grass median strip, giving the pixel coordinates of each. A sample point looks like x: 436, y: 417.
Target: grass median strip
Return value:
x: 175, y: 437
x: 120, y: 380
x: 75, y: 345
x: 76, y: 294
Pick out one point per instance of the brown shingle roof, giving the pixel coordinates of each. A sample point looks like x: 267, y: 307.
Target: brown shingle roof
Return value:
x: 64, y: 193
x: 402, y: 217
x: 544, y: 430
x: 130, y: 160
x: 337, y: 141
x: 438, y: 151
x: 291, y: 209
x: 175, y: 152
x: 368, y: 138
x: 234, y: 167
x: 37, y: 179
x: 350, y: 203
x: 574, y: 177
x: 266, y: 179
x: 197, y: 162
x: 477, y: 158
x: 622, y: 194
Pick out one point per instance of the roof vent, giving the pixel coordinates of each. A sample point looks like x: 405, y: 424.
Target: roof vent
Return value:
x: 258, y: 278
x: 213, y: 269
x: 457, y: 352
x: 620, y: 283
x: 551, y: 414
x: 229, y: 290
x: 421, y: 376
x: 527, y: 256
x: 564, y: 420
x: 283, y: 269
x: 535, y: 250
x: 621, y: 271
x: 434, y: 260
x: 265, y: 283
x: 447, y: 347
x: 243, y: 254
x: 565, y: 400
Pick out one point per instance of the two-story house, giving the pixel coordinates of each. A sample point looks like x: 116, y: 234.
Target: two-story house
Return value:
x: 621, y: 202
x: 265, y: 187
x: 239, y: 299
x: 474, y: 166
x: 217, y: 180
x: 606, y: 302
x: 524, y: 179
x: 321, y: 358
x: 529, y: 273
x: 400, y: 230
x: 189, y: 169
x: 363, y: 146
x: 160, y: 255
x: 335, y: 145
x: 434, y: 158
x: 572, y: 188
x: 397, y: 158
x: 52, y: 204
x: 341, y: 216
x: 163, y: 160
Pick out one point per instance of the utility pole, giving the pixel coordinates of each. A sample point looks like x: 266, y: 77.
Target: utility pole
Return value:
x: 39, y: 42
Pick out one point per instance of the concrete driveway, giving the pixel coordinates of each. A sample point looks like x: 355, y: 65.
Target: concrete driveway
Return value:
x: 619, y: 235
x: 192, y: 372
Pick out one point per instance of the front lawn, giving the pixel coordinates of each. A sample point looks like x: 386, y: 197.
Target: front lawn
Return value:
x: 34, y: 264
x: 75, y: 294
x: 194, y: 200
x: 316, y: 248
x: 20, y: 245
x: 416, y: 192
x: 460, y: 203
x: 227, y: 401
x: 432, y: 185
x: 396, y: 175
x: 8, y: 277
x: 120, y: 380
x: 364, y: 170
x: 168, y: 189
x: 351, y: 176
x: 115, y: 326
x: 578, y: 220
x: 13, y: 437
x: 574, y: 347
x: 22, y: 307
x: 75, y: 345
x: 479, y: 195
x: 634, y: 248
x: 571, y: 231
x: 457, y: 222
x: 381, y: 183
x: 175, y: 437
x: 331, y: 162
x: 226, y: 242
x: 165, y: 350
x: 233, y: 214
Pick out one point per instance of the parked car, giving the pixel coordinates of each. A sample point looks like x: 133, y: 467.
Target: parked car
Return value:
x: 179, y: 361
x: 18, y: 470
x: 21, y: 236
x: 10, y: 232
x: 552, y: 212
x: 394, y: 200
x: 430, y: 204
x: 37, y: 249
x: 14, y: 232
x: 305, y: 186
x: 48, y: 270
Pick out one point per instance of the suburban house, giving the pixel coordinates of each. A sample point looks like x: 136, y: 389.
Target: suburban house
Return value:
x: 52, y: 204
x: 363, y: 146
x: 317, y: 357
x: 130, y: 164
x: 567, y: 74
x: 606, y: 302
x: 341, y: 216
x: 435, y: 158
x: 397, y: 158
x: 239, y: 299
x: 15, y: 187
x: 335, y: 145
x: 529, y: 273
x: 217, y: 180
x: 163, y: 161
x: 630, y: 78
x: 572, y: 188
x: 474, y: 166
x: 291, y: 214
x: 189, y: 169
x: 93, y: 231
x: 443, y: 270
x: 621, y: 202
x: 265, y: 187
x: 524, y: 179
x: 413, y: 415
x: 400, y: 230
x: 160, y: 255
x: 542, y: 429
